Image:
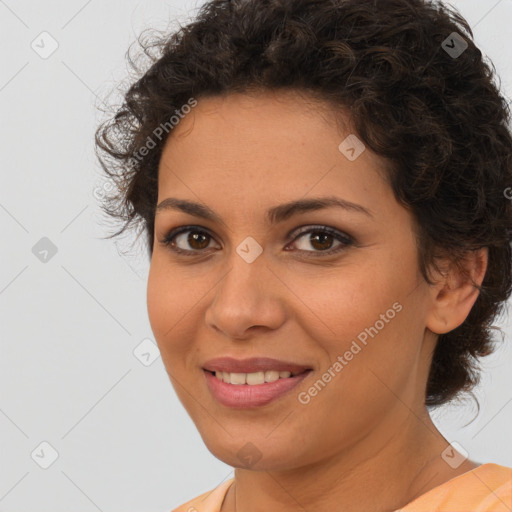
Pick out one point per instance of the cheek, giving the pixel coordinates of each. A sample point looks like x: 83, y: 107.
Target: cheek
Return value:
x: 347, y: 300
x: 366, y: 313
x: 169, y: 310
x: 369, y: 364
x: 378, y: 336
x: 156, y: 300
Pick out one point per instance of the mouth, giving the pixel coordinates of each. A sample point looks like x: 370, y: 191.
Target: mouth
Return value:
x: 253, y: 382
x: 254, y: 378
x: 254, y: 365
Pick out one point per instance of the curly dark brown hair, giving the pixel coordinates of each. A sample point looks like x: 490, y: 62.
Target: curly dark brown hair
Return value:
x: 419, y: 96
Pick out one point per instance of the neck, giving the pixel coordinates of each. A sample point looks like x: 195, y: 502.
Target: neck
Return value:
x: 386, y: 470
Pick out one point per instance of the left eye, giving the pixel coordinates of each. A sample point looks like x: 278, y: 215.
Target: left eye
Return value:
x: 321, y: 238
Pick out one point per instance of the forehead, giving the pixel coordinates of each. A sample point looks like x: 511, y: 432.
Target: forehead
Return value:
x: 264, y: 149
x: 278, y: 130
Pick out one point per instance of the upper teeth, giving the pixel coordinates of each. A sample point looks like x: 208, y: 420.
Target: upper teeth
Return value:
x: 252, y: 378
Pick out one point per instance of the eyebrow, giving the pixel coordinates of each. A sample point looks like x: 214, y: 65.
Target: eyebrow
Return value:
x: 274, y: 215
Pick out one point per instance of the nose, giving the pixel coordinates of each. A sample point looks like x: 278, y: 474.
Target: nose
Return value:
x: 248, y: 299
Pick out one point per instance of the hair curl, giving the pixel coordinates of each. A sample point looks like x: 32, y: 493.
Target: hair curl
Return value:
x: 438, y: 120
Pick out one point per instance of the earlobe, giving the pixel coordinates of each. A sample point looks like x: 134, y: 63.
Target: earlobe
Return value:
x: 454, y: 293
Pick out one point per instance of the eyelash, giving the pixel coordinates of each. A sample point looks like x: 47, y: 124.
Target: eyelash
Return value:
x: 345, y: 240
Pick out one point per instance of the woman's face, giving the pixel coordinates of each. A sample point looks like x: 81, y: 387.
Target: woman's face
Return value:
x: 348, y: 304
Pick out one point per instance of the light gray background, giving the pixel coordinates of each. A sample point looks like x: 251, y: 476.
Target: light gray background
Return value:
x: 69, y: 326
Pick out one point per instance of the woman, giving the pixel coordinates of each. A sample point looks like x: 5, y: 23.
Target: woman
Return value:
x: 321, y: 183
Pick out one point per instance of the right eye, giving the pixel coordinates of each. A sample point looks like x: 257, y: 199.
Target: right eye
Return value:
x: 197, y: 239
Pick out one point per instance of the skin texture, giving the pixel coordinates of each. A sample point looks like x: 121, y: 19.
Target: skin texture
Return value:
x: 368, y: 427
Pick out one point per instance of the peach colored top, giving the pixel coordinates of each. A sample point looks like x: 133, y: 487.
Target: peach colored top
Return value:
x: 487, y: 488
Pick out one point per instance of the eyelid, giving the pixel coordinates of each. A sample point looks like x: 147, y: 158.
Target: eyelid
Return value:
x: 344, y: 238
x: 319, y: 227
x: 171, y: 235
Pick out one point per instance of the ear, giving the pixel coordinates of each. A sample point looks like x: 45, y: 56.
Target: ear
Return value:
x: 454, y: 294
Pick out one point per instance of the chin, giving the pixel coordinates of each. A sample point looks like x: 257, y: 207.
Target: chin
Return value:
x: 256, y: 453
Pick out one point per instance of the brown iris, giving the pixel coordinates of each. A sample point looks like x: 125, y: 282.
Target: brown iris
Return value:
x: 325, y: 240
x: 199, y: 238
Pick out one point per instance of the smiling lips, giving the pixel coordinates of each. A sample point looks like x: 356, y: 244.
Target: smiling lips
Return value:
x: 253, y: 364
x: 244, y: 383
